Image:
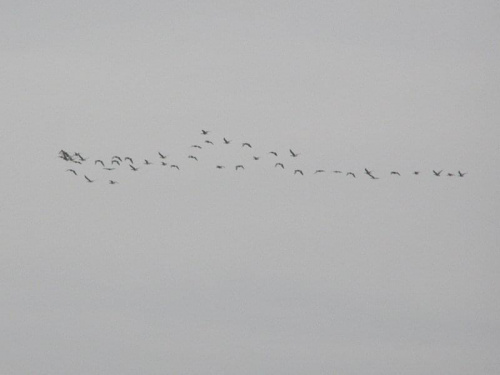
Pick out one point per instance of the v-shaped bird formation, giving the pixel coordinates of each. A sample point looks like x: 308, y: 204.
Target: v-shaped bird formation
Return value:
x: 272, y: 159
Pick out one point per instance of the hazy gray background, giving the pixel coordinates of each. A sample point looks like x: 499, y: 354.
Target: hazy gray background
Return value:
x: 258, y: 272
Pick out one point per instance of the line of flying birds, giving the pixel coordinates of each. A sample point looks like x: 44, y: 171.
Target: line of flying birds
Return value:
x: 120, y: 161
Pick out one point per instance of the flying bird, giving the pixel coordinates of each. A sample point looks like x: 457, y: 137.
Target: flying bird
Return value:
x: 337, y: 171
x: 450, y: 175
x: 220, y: 167
x: 99, y: 161
x: 133, y: 168
x: 239, y: 166
x: 161, y: 155
x: 256, y: 158
x: 416, y: 172
x: 294, y: 155
x: 461, y: 174
x: 279, y: 165
x: 117, y: 157
x: 164, y: 164
x: 80, y: 156
x: 196, y: 146
x: 205, y: 132
x: 298, y: 171
x: 111, y: 182
x: 319, y: 171
x: 73, y: 171
x: 395, y: 172
x: 207, y: 141
x: 109, y: 169
x: 437, y: 173
x: 226, y: 141
x: 174, y: 166
x: 88, y: 179
x: 193, y: 157
x: 129, y: 159
x: 246, y: 144
x: 147, y: 162
x: 350, y: 174
x: 115, y: 161
x: 273, y: 152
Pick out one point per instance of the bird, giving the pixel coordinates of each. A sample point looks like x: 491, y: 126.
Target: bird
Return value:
x: 196, y: 146
x: 298, y: 171
x: 350, y: 174
x: 416, y: 172
x: 205, y: 132
x: 461, y: 174
x: 129, y: 159
x: 294, y: 155
x: 99, y: 161
x: 174, y: 166
x: 73, y: 171
x: 133, y: 168
x: 273, y: 152
x: 193, y: 157
x: 450, y: 175
x: 109, y: 169
x: 246, y: 144
x: 220, y: 167
x: 161, y: 155
x: 115, y: 161
x: 207, y: 141
x: 117, y: 157
x: 319, y: 171
x: 88, y: 179
x: 256, y: 158
x: 76, y: 161
x: 437, y: 173
x: 239, y: 166
x: 279, y: 165
x: 226, y: 141
x: 147, y: 162
x: 80, y: 156
x: 164, y: 164
x: 395, y: 172
x: 369, y: 173
x: 111, y: 182
x: 337, y: 171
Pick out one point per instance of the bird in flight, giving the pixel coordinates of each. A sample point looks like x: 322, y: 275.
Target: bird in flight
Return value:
x: 196, y: 146
x: 246, y: 144
x: 461, y: 174
x: 256, y: 158
x: 416, y: 172
x: 350, y: 174
x: 220, y: 167
x: 117, y: 157
x: 319, y: 171
x: 72, y: 171
x: 174, y: 166
x: 129, y: 159
x: 147, y: 162
x: 192, y: 157
x: 115, y: 161
x: 80, y: 156
x: 294, y: 155
x: 337, y: 171
x: 437, y: 173
x: 450, y: 175
x: 99, y: 161
x: 298, y: 171
x: 111, y: 182
x: 109, y: 169
x: 207, y: 141
x: 88, y: 179
x: 279, y: 165
x: 239, y: 167
x: 226, y: 141
x: 161, y: 155
x: 369, y: 173
x: 274, y: 153
x: 205, y: 132
x: 396, y: 173
x: 133, y: 168
x: 164, y: 164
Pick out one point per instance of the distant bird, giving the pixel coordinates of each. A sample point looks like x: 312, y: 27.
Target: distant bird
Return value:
x: 109, y: 169
x: 80, y: 156
x: 117, y: 157
x: 256, y: 158
x: 279, y: 165
x: 319, y: 171
x: 174, y: 166
x: 450, y: 175
x: 207, y: 141
x: 161, y: 155
x: 164, y: 164
x: 112, y: 182
x: 369, y: 173
x: 337, y: 171
x: 461, y: 174
x: 129, y: 159
x: 274, y: 153
x: 220, y: 167
x: 193, y: 157
x: 350, y: 174
x: 246, y: 144
x: 294, y: 155
x: 196, y: 146
x: 76, y: 161
x: 239, y: 167
x: 115, y: 161
x: 437, y: 173
x: 147, y: 162
x: 298, y: 171
x: 99, y: 161
x: 73, y: 171
x: 226, y: 141
x: 88, y: 179
x: 133, y: 168
x: 395, y: 172
x: 416, y: 172
x: 205, y: 132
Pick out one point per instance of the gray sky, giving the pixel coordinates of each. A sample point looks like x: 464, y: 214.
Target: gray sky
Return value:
x: 258, y: 272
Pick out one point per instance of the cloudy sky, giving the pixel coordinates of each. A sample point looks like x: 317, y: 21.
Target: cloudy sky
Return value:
x: 201, y: 271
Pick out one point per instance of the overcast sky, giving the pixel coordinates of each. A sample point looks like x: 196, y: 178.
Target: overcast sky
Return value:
x: 204, y: 271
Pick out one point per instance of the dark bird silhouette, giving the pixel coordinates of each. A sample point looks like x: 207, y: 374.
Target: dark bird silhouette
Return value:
x: 279, y: 165
x: 256, y: 158
x: 109, y: 169
x: 350, y: 174
x: 88, y: 179
x: 164, y: 163
x: 395, y: 172
x: 196, y: 146
x: 72, y: 171
x: 298, y: 171
x: 369, y: 173
x: 115, y: 161
x: 99, y: 161
x: 461, y: 174
x: 129, y: 159
x: 294, y: 155
x: 161, y: 155
x: 450, y: 175
x: 205, y: 132
x: 133, y: 168
x: 175, y: 166
x: 437, y: 173
x: 117, y: 157
x: 207, y: 141
x: 239, y: 167
x: 111, y: 182
x: 80, y: 156
x: 337, y: 171
x: 319, y: 171
x: 193, y: 157
x: 76, y: 161
x: 246, y: 144
x: 147, y: 162
x: 226, y: 141
x: 416, y: 172
x: 220, y: 167
x: 274, y: 153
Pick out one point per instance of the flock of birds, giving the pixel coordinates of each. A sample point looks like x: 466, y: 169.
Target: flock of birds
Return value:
x: 121, y: 161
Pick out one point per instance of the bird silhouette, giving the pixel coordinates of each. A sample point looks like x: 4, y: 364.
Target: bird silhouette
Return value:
x: 226, y: 141
x: 174, y: 166
x: 196, y: 146
x: 396, y: 173
x: 205, y: 132
x: 80, y: 156
x: 164, y: 164
x: 135, y: 169
x: 256, y: 158
x: 239, y: 167
x: 298, y: 171
x: 99, y: 161
x: 437, y: 173
x: 207, y: 141
x: 109, y: 169
x: 161, y: 155
x: 246, y: 144
x: 117, y: 157
x: 115, y: 161
x: 192, y: 157
x: 279, y: 165
x: 450, y: 175
x: 147, y: 162
x: 274, y: 153
x: 337, y: 171
x: 461, y: 174
x: 294, y: 155
x: 220, y: 167
x: 416, y: 172
x: 72, y: 171
x: 88, y: 179
x: 350, y: 174
x: 319, y: 171
x: 129, y: 159
x: 111, y: 182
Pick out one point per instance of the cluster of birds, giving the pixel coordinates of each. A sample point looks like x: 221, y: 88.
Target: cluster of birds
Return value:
x: 119, y: 161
